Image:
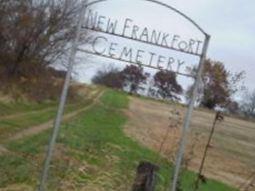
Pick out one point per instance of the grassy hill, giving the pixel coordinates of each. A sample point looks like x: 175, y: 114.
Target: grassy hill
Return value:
x: 93, y: 153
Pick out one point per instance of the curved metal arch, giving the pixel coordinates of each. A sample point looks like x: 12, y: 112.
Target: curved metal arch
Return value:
x: 164, y: 5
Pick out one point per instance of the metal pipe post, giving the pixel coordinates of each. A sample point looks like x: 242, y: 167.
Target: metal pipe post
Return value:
x: 188, y: 116
x: 63, y: 97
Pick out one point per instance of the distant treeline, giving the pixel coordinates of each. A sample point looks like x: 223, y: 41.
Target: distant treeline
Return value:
x: 216, y: 91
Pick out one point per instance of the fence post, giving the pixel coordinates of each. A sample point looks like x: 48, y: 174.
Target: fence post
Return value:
x: 145, y: 177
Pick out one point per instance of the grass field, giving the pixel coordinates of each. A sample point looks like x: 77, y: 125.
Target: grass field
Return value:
x: 231, y: 155
x: 93, y: 153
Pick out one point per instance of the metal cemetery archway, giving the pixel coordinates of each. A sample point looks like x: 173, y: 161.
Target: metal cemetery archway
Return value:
x: 74, y: 49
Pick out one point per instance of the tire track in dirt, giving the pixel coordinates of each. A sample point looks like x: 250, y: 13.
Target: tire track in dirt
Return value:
x: 39, y: 128
x: 16, y: 115
x: 49, y: 124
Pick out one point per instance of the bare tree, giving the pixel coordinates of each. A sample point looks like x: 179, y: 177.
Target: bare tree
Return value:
x: 110, y: 77
x: 167, y: 85
x: 219, y: 84
x: 133, y: 76
x: 34, y: 34
x: 35, y: 37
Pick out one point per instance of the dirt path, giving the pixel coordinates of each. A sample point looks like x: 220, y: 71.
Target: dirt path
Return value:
x: 42, y: 127
x: 3, y: 149
x: 231, y: 158
x: 22, y: 114
x: 39, y: 128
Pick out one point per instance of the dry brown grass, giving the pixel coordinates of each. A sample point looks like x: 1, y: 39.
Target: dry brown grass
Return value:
x: 231, y: 158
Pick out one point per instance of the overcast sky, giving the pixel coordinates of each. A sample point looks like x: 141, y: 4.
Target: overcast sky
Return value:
x: 231, y: 24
